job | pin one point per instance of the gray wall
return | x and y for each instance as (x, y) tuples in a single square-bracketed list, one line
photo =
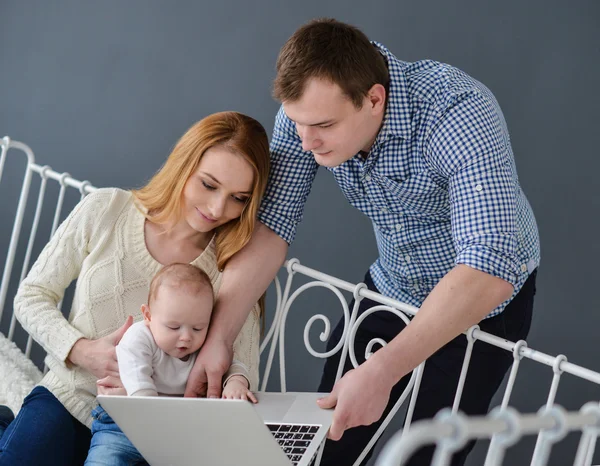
[(104, 89)]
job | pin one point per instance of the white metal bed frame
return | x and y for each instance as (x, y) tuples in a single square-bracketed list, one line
[(274, 341)]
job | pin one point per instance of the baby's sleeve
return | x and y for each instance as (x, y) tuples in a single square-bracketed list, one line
[(135, 353)]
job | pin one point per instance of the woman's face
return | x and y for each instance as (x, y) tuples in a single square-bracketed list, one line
[(218, 190)]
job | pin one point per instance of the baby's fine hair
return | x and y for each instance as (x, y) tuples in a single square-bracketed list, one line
[(180, 276)]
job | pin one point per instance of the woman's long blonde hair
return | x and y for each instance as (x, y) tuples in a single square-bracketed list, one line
[(242, 135)]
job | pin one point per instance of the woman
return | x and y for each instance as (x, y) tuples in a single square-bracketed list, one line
[(200, 208)]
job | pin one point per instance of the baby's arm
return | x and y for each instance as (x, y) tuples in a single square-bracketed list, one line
[(135, 353), (236, 388)]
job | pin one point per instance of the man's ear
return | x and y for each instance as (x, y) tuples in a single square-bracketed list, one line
[(377, 96), (146, 313)]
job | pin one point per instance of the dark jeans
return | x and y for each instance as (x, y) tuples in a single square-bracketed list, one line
[(44, 433), (487, 368)]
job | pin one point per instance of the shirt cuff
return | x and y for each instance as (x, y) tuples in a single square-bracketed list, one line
[(66, 339), (237, 368), (282, 226), (492, 262)]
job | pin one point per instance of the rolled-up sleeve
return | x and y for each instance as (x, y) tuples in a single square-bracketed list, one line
[(470, 148), (292, 173)]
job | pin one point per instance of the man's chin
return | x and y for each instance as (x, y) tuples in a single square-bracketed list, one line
[(328, 160)]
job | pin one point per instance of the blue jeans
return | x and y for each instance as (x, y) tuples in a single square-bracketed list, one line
[(6, 417), (110, 446), (44, 433)]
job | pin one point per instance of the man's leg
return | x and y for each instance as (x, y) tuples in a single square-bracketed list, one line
[(379, 325), (487, 369), (44, 433)]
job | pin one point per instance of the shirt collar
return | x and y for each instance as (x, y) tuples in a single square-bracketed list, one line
[(397, 120)]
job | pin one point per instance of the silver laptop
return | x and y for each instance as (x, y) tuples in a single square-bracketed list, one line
[(283, 429)]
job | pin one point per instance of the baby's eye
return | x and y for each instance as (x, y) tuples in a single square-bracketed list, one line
[(197, 329), (173, 328)]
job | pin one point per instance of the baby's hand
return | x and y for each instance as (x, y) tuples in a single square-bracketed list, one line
[(237, 389)]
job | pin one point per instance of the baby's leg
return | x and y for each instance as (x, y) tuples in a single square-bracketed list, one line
[(110, 446)]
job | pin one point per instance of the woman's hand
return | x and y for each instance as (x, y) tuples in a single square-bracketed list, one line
[(237, 389), (110, 385), (99, 356)]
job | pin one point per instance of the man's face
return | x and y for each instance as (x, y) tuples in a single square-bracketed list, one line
[(331, 126)]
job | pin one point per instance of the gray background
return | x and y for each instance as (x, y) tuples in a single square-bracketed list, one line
[(104, 89)]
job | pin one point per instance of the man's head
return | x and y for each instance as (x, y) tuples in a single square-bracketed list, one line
[(179, 308), (332, 83)]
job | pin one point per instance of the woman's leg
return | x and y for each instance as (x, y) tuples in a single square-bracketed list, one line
[(44, 433), (6, 417), (110, 446)]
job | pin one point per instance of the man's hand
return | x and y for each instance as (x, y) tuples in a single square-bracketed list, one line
[(99, 356), (359, 399), (207, 374)]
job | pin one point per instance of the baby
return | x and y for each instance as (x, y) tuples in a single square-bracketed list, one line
[(157, 354)]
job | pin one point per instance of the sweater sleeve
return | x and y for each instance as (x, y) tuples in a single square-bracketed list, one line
[(246, 349), (59, 263), (135, 352)]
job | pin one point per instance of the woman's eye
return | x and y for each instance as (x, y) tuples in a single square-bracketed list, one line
[(241, 200), (207, 186)]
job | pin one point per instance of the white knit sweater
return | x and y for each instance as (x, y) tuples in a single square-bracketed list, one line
[(102, 245)]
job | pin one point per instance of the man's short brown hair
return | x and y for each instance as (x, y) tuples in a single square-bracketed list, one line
[(185, 277), (328, 49)]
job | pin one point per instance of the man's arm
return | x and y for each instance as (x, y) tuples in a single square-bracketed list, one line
[(461, 299), (245, 278), (249, 272), (469, 149)]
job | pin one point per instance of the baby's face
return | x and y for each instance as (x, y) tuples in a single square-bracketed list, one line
[(179, 320)]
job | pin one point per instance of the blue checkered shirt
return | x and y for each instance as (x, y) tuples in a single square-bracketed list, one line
[(439, 184)]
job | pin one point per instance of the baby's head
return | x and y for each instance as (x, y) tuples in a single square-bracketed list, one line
[(179, 307)]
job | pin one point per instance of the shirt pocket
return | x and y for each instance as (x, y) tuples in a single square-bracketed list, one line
[(418, 195)]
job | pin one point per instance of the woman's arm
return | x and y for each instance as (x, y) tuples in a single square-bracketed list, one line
[(60, 262)]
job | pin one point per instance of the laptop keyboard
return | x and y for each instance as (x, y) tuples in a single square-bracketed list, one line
[(294, 439)]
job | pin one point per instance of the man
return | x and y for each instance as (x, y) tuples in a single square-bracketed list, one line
[(422, 149)]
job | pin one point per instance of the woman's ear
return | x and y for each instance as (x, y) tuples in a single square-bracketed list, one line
[(146, 313)]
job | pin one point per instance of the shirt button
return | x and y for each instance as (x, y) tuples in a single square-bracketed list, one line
[(523, 267), (478, 188), (384, 210), (367, 177), (398, 227), (407, 258)]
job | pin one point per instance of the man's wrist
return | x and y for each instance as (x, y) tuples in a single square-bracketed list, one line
[(382, 370)]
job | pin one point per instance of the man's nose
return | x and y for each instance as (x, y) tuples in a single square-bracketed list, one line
[(309, 138)]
